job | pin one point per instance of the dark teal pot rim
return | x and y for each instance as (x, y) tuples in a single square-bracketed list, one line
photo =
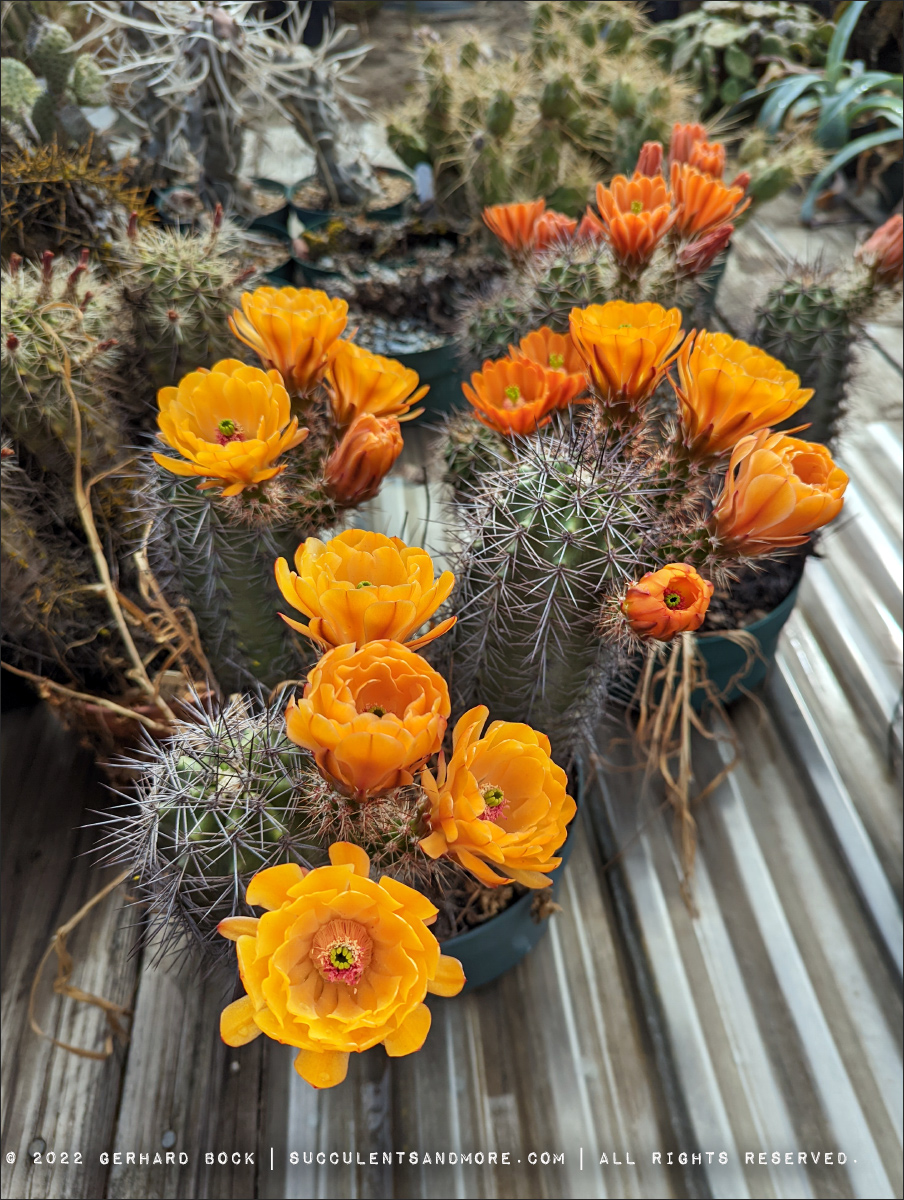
[(315, 217), (780, 613)]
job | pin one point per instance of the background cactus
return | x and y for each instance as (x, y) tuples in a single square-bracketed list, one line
[(179, 292), (549, 536), (227, 795), (811, 322)]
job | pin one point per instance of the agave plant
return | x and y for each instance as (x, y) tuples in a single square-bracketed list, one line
[(836, 102)]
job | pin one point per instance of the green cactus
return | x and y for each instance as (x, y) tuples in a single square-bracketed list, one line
[(179, 290), (48, 47), (468, 449), (228, 795), (549, 536), (218, 555), (20, 90), (55, 330), (811, 322), (88, 84)]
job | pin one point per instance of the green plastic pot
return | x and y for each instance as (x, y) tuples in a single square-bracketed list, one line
[(314, 218), (439, 368), (315, 276), (274, 222), (725, 659), (491, 949)]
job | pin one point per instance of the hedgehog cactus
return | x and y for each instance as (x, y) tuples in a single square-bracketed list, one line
[(56, 349), (227, 795), (548, 537), (179, 292), (812, 320)]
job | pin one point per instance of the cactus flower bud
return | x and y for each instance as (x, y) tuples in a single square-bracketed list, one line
[(15, 262), (883, 253), (12, 343), (132, 227), (80, 268), (742, 180), (354, 471), (698, 255), (683, 139), (666, 602), (649, 161)]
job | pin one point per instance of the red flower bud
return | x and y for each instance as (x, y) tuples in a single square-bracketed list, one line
[(12, 343), (883, 253), (15, 262), (355, 470), (649, 161), (682, 144), (742, 180), (698, 255), (132, 228)]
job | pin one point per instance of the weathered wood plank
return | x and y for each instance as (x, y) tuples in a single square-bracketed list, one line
[(52, 1098)]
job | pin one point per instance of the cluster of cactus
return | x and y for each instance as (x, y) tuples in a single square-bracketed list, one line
[(812, 322), (227, 795), (579, 101), (197, 76), (52, 111), (178, 292), (725, 47), (64, 200)]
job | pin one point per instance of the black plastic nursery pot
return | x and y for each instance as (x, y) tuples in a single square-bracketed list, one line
[(440, 369), (276, 221), (491, 949), (725, 660), (313, 218)]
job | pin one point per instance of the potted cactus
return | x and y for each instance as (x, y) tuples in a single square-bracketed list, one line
[(331, 813)]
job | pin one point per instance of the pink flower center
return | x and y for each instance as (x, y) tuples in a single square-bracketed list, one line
[(342, 951), (495, 801), (228, 431)]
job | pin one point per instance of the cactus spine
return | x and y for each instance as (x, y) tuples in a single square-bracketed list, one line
[(179, 291)]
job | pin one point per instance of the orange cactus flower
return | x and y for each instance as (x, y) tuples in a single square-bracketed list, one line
[(665, 602), (515, 224), (511, 395), (684, 138), (361, 382), (363, 587), (371, 717), (883, 253), (502, 807), (777, 491), (356, 468), (591, 228), (557, 354), (729, 389), (553, 228), (230, 424), (291, 329), (337, 964), (708, 157), (649, 161), (627, 348), (637, 214), (702, 202)]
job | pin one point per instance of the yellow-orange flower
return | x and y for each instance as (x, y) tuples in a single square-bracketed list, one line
[(371, 717), (501, 809), (511, 395), (669, 601), (637, 214), (777, 491), (683, 140), (558, 356), (883, 252), (626, 348), (337, 964), (356, 468), (291, 329), (364, 587), (515, 224), (730, 389), (230, 423), (551, 228), (702, 202), (708, 157), (362, 382)]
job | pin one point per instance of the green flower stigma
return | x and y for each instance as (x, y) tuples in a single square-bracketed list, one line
[(672, 599), (493, 796), (556, 361), (636, 207), (226, 427), (512, 393), (363, 583), (342, 957), (378, 711)]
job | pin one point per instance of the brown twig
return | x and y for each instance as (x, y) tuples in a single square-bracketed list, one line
[(102, 702)]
